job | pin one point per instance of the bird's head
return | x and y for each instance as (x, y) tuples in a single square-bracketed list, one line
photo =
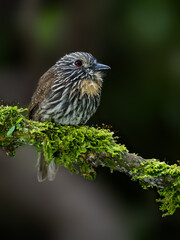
[(80, 65)]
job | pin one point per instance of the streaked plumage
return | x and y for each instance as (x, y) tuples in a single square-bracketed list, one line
[(68, 93)]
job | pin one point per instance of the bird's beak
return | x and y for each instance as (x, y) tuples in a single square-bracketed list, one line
[(99, 66)]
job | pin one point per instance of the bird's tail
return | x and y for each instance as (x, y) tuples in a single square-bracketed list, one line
[(45, 170)]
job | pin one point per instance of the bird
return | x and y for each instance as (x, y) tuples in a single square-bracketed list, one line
[(69, 94)]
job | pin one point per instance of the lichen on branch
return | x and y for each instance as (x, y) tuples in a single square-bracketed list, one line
[(81, 149)]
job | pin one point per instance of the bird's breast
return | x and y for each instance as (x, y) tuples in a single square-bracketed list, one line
[(90, 87)]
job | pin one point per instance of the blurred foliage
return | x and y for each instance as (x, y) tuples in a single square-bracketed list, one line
[(140, 40), (47, 23)]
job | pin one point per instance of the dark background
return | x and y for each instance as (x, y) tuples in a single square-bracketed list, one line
[(140, 40)]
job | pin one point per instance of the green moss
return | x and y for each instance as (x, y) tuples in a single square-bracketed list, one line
[(170, 195), (69, 146), (170, 200), (66, 144), (10, 120)]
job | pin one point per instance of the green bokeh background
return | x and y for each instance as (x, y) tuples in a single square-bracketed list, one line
[(140, 40)]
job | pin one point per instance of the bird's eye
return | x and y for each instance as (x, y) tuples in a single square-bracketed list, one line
[(78, 63)]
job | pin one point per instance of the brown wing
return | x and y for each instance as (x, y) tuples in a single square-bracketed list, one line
[(43, 88)]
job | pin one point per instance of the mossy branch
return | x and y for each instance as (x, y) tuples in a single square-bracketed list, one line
[(82, 149)]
